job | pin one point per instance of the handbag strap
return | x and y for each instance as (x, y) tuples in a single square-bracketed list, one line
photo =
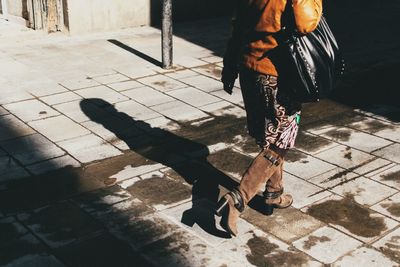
[(288, 25)]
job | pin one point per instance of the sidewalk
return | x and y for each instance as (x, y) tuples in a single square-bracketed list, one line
[(108, 160)]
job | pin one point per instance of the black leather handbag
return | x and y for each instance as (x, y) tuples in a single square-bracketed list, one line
[(308, 65)]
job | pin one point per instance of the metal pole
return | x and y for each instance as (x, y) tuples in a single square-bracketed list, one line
[(167, 44)]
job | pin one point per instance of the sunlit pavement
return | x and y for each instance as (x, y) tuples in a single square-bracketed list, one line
[(108, 160)]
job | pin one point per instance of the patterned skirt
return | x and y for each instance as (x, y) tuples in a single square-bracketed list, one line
[(272, 115)]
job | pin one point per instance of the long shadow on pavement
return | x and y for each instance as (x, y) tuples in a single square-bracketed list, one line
[(162, 147)]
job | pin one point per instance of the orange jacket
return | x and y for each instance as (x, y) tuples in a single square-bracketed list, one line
[(263, 18)]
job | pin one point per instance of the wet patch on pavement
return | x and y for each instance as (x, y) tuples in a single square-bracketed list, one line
[(346, 213), (348, 154), (297, 224), (311, 143), (393, 176), (264, 253), (339, 135), (314, 240), (222, 129), (391, 248), (295, 156), (394, 208), (230, 161), (212, 69), (376, 126), (160, 191), (61, 184)]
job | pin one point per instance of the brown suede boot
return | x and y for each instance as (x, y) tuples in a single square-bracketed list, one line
[(232, 204), (273, 193)]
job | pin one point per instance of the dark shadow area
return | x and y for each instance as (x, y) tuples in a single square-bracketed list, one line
[(190, 24), (371, 46), (163, 147), (25, 12), (366, 31), (49, 205), (136, 52)]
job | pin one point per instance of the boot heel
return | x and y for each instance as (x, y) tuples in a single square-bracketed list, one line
[(221, 205)]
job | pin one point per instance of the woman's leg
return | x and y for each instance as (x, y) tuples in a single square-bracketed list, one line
[(263, 166)]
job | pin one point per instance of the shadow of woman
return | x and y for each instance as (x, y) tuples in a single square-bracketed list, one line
[(160, 145)]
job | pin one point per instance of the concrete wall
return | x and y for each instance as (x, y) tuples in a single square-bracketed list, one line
[(15, 7), (16, 11), (82, 16), (102, 15)]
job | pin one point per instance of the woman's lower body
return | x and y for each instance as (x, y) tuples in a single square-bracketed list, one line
[(272, 119)]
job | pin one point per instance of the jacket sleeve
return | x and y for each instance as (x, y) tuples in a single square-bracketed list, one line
[(232, 52), (307, 14)]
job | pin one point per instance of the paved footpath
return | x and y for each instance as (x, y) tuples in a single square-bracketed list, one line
[(108, 160)]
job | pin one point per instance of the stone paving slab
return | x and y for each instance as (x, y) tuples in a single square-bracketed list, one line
[(125, 85), (111, 78), (68, 130), (102, 92), (333, 178), (53, 164), (389, 245), (79, 84), (389, 207), (11, 229), (261, 249), (180, 74), (73, 110), (327, 244), (179, 111), (162, 83), (193, 96), (198, 218), (389, 177), (101, 250), (234, 98), (308, 194), (32, 149), (296, 162), (60, 224), (135, 110), (390, 153), (353, 219), (372, 166), (148, 96), (358, 140), (365, 257), (89, 148), (203, 83), (288, 225), (10, 170), (45, 87), (365, 191), (12, 127), (11, 95), (312, 144), (3, 111), (32, 254), (60, 98), (345, 157), (390, 133)]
